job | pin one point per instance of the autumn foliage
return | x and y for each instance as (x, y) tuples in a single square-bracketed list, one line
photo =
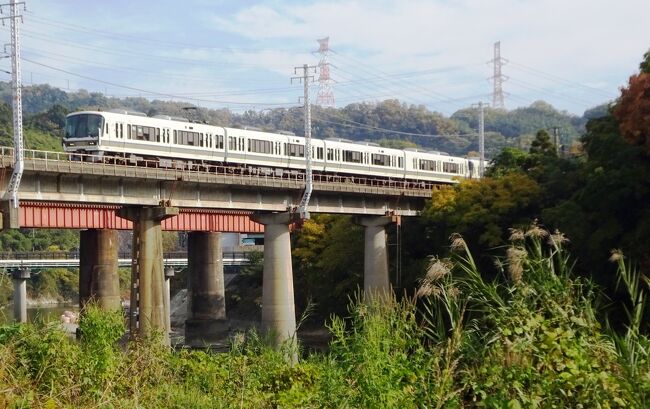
[(633, 111)]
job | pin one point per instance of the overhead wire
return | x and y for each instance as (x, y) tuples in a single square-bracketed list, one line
[(114, 35), (555, 78), (164, 94)]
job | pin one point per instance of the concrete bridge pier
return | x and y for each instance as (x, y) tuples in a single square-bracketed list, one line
[(99, 280), (20, 277), (206, 321), (148, 308), (278, 306), (375, 256)]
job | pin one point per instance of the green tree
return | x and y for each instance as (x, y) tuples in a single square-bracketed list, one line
[(328, 261), (542, 144), (483, 210)]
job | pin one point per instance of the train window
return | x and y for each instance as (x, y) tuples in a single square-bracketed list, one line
[(117, 130), (231, 143), (157, 134), (201, 140), (430, 165), (295, 149), (352, 156), (128, 131), (259, 146), (241, 144), (121, 130), (330, 154), (107, 129), (450, 167), (175, 136), (220, 141), (380, 160), (319, 153), (400, 162)]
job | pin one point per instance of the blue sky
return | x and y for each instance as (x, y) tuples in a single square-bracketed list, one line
[(240, 54)]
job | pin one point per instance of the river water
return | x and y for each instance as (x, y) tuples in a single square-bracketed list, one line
[(40, 313)]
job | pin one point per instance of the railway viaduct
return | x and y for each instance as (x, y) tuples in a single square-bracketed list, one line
[(101, 198)]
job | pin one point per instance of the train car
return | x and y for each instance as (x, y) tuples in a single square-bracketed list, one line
[(173, 141), (363, 158), (135, 136)]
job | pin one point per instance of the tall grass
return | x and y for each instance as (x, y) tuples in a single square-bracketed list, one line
[(527, 339)]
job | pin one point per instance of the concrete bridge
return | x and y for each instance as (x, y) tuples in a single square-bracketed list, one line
[(59, 192)]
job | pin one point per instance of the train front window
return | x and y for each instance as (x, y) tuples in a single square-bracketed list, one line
[(84, 126)]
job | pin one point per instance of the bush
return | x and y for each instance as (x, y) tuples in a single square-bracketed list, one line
[(528, 339)]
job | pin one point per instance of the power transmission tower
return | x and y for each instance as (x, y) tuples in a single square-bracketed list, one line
[(325, 95), (304, 202), (17, 105), (497, 77)]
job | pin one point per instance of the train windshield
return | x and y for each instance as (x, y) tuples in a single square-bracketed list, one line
[(83, 126)]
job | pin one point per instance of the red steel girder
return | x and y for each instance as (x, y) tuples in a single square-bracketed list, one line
[(59, 215)]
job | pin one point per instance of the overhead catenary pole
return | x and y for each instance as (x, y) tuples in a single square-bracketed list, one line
[(556, 139), (481, 136), (304, 202), (16, 176), (481, 139)]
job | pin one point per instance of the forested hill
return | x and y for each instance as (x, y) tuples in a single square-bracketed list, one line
[(45, 108)]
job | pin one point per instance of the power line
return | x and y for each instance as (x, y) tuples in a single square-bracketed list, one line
[(120, 36), (359, 125), (149, 91), (558, 79), (555, 94)]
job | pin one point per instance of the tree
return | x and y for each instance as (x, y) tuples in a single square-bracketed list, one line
[(483, 210), (644, 67), (542, 144), (633, 110), (327, 263)]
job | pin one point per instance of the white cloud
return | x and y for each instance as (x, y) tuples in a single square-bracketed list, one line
[(582, 40)]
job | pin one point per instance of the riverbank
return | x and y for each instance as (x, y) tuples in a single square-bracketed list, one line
[(532, 341)]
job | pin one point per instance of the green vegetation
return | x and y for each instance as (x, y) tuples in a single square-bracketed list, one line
[(529, 339), (59, 284)]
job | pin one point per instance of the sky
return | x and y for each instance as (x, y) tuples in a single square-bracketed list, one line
[(241, 55)]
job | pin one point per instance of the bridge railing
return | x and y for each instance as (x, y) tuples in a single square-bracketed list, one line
[(177, 170), (74, 255)]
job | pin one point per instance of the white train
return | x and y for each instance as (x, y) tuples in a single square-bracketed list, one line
[(177, 142)]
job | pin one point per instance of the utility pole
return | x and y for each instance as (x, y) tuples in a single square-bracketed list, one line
[(481, 136), (556, 139), (17, 174), (304, 202)]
